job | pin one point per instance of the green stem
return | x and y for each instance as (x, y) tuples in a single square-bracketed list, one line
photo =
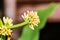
[(19, 25)]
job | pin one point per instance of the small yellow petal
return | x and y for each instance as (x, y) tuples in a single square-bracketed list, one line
[(7, 21)]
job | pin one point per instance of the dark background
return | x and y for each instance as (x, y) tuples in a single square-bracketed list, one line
[(50, 32), (1, 8)]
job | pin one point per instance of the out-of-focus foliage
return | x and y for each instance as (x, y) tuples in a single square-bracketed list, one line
[(29, 34)]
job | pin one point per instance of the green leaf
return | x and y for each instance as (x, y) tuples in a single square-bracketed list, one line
[(46, 12), (43, 14), (1, 23), (29, 34)]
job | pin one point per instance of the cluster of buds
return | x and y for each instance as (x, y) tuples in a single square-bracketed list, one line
[(4, 30), (32, 17), (7, 21)]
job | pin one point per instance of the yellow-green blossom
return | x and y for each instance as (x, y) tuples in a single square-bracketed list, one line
[(7, 21), (32, 17), (5, 31)]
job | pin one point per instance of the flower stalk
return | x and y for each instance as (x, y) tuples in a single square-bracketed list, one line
[(19, 25)]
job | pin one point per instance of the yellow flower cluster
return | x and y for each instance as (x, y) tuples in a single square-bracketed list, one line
[(5, 31), (32, 17), (7, 21)]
